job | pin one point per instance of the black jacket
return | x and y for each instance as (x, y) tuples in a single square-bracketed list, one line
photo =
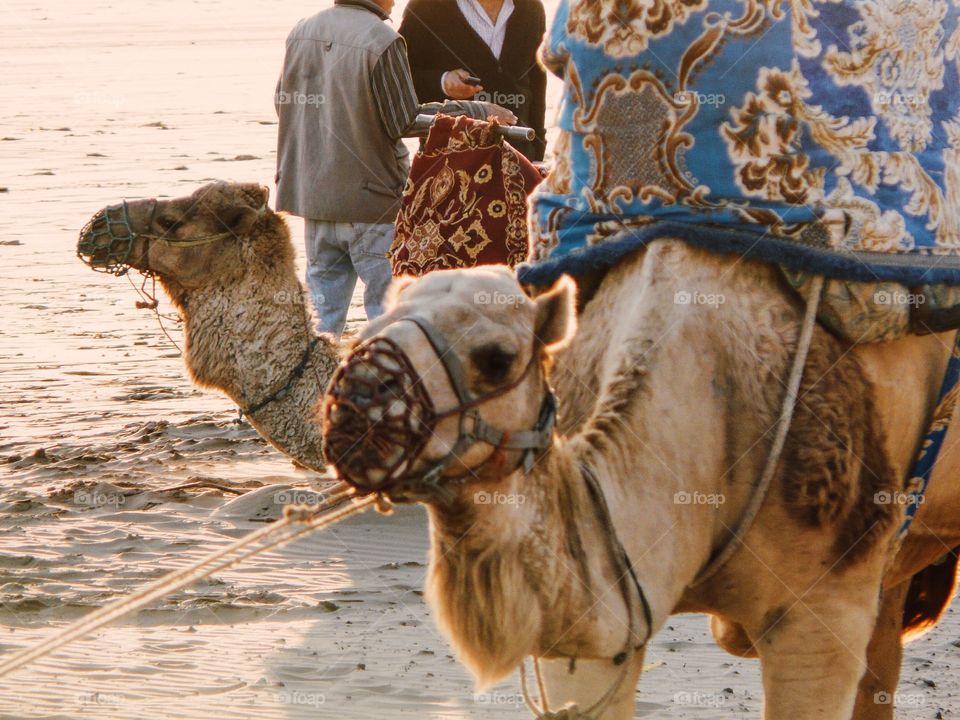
[(439, 39)]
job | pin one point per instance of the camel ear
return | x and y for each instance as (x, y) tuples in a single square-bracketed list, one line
[(254, 194), (233, 194), (556, 321), (223, 195), (240, 204)]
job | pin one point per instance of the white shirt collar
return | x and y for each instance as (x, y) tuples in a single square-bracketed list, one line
[(492, 33), (505, 11)]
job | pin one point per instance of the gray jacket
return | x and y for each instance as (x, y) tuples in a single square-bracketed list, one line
[(335, 162)]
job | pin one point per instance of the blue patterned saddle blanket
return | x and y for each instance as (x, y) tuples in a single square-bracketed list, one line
[(822, 135)]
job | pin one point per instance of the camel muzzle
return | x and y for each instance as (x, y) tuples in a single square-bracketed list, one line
[(378, 418), (106, 240)]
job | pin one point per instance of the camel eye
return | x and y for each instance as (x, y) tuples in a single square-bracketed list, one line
[(493, 362), (167, 224)]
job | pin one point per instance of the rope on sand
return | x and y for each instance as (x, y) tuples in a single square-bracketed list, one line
[(298, 521)]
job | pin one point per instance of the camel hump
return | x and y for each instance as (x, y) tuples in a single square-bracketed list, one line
[(930, 593)]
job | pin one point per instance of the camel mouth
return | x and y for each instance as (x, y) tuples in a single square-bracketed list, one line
[(106, 241), (377, 419)]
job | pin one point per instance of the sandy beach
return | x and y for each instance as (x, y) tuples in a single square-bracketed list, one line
[(103, 100)]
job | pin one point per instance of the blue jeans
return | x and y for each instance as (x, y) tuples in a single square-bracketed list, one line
[(336, 254)]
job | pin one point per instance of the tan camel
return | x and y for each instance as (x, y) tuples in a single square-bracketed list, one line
[(681, 399), (921, 580), (227, 263), (255, 272)]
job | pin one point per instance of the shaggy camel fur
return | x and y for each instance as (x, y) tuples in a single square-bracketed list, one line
[(246, 319), (681, 408)]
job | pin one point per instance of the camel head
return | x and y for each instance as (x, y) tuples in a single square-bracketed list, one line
[(208, 238), (449, 386), (227, 263)]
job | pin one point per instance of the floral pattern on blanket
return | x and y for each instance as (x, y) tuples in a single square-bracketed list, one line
[(465, 202), (831, 122)]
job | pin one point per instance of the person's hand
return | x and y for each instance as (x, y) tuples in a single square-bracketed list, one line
[(500, 114), (454, 86)]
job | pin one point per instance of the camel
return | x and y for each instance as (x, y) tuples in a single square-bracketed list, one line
[(254, 271), (675, 410), (226, 261)]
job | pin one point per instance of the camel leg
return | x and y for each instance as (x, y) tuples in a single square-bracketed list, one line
[(813, 655), (589, 680), (879, 683)]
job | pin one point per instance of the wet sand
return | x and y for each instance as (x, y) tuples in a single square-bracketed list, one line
[(106, 100)]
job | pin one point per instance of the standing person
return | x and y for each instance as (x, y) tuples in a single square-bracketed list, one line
[(494, 41), (344, 99)]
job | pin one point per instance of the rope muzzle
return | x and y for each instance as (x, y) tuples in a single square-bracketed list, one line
[(107, 239), (379, 418)]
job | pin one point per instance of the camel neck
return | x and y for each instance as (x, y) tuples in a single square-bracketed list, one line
[(253, 341), (289, 422), (533, 546), (293, 377)]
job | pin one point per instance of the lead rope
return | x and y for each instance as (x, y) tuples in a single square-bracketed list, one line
[(150, 302), (297, 522), (720, 558)]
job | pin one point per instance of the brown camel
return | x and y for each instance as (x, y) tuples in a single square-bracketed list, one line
[(226, 262)]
